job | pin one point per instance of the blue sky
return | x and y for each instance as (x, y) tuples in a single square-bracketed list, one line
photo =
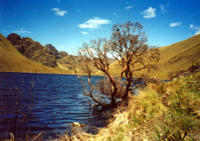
[(68, 23)]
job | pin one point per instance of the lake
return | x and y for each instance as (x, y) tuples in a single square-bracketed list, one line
[(47, 103)]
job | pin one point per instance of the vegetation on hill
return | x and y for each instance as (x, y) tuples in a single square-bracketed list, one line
[(168, 111), (11, 60)]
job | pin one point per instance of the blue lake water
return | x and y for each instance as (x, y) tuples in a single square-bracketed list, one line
[(47, 103)]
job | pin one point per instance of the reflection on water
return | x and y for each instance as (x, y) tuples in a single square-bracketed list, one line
[(34, 103)]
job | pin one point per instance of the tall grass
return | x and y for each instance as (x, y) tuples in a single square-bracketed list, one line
[(162, 112)]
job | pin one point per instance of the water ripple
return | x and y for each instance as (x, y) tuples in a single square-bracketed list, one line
[(50, 106)]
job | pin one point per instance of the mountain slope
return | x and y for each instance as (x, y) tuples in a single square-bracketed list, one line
[(178, 56), (46, 55), (175, 57), (11, 60)]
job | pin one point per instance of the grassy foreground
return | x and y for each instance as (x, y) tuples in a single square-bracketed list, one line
[(162, 112)]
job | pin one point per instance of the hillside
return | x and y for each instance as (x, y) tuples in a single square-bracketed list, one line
[(46, 55), (179, 56), (175, 57), (66, 61), (13, 61)]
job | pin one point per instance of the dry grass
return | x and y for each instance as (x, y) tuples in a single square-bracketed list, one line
[(165, 112)]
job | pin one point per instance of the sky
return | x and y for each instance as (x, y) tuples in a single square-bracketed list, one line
[(67, 24)]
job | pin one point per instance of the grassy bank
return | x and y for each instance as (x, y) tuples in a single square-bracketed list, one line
[(165, 112)]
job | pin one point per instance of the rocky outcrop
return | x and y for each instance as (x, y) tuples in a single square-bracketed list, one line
[(15, 39), (55, 52), (34, 50)]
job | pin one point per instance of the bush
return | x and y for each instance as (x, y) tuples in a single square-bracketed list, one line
[(182, 117)]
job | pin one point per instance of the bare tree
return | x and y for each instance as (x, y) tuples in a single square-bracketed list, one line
[(132, 55)]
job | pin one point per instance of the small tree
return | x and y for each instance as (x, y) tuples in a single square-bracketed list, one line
[(131, 54)]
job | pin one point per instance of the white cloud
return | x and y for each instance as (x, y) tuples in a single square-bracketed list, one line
[(149, 13), (128, 7), (94, 23), (84, 33), (59, 12), (174, 24), (21, 31), (197, 28)]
